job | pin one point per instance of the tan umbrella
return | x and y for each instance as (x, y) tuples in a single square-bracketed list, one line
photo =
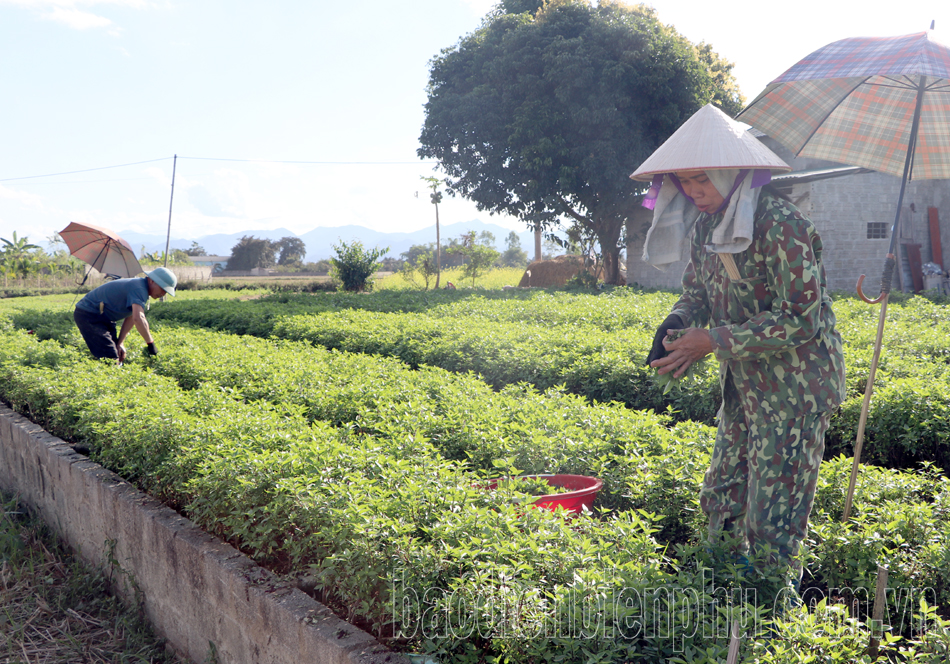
[(102, 249)]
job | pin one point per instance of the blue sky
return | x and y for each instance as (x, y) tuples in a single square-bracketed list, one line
[(88, 84)]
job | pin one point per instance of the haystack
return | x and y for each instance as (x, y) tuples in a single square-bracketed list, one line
[(552, 272)]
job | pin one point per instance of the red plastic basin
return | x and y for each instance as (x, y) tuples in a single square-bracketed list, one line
[(581, 491)]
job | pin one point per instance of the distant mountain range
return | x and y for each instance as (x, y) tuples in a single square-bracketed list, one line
[(320, 241)]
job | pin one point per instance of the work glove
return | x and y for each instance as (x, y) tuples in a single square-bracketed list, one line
[(151, 349), (672, 322)]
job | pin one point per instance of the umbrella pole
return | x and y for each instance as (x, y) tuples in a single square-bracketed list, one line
[(92, 266), (885, 292)]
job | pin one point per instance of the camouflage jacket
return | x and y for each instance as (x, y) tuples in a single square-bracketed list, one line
[(774, 329)]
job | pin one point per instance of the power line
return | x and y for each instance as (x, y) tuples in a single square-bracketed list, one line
[(85, 170), (260, 161), (88, 181), (331, 163)]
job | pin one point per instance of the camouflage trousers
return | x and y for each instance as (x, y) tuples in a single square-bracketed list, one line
[(760, 486)]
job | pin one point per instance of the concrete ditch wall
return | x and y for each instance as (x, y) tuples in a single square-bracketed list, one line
[(196, 590)]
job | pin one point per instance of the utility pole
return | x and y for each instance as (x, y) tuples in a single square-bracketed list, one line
[(168, 236)]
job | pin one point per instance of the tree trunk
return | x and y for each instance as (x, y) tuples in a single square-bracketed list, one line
[(611, 267), (608, 234)]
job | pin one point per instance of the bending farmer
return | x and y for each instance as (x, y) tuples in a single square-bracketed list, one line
[(754, 295), (126, 300)]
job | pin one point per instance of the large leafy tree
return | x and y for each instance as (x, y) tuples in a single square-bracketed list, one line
[(196, 250), (514, 255), (292, 251), (545, 111), (251, 252)]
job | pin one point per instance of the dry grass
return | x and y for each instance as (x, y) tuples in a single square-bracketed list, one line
[(494, 279), (53, 609)]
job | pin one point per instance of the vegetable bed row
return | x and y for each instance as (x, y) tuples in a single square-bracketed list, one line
[(594, 346), (363, 471)]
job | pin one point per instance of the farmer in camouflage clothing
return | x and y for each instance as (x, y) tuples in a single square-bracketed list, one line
[(754, 295)]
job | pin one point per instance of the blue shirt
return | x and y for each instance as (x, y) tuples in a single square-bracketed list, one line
[(116, 297)]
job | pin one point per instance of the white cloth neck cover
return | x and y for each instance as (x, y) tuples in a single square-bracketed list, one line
[(674, 216)]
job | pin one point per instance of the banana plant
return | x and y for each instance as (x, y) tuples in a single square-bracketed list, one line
[(17, 254)]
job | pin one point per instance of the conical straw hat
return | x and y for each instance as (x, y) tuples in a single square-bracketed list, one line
[(710, 139)]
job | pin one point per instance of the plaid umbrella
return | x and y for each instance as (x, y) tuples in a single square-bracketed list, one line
[(102, 249), (867, 101), (881, 103)]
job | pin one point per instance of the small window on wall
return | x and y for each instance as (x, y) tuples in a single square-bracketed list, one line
[(877, 230)]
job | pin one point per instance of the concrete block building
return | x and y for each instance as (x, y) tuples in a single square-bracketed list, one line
[(854, 210)]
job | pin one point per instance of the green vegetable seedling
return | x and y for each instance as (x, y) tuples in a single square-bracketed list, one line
[(667, 380)]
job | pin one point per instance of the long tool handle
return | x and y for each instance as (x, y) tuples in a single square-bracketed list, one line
[(865, 406), (885, 291)]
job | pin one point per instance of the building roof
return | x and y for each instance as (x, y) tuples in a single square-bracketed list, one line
[(803, 177), (206, 259)]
